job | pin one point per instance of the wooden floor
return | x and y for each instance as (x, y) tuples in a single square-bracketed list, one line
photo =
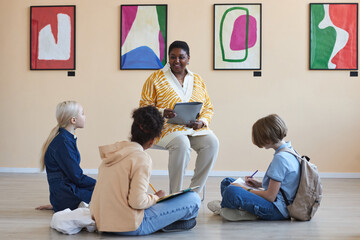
[(337, 218)]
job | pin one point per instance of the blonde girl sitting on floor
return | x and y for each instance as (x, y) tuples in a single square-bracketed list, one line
[(60, 157)]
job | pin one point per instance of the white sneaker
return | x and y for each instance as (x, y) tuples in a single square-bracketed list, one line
[(237, 215), (83, 205), (214, 206)]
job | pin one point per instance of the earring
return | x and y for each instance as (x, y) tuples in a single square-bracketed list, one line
[(188, 63)]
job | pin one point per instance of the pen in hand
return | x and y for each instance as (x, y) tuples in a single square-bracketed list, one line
[(252, 182), (253, 173), (152, 187), (159, 193)]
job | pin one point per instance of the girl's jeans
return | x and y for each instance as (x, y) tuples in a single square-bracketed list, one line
[(160, 215)]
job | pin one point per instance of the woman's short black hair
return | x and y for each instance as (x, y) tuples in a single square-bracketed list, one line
[(148, 124), (180, 44)]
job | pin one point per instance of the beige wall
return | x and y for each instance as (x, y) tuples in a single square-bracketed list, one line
[(321, 108)]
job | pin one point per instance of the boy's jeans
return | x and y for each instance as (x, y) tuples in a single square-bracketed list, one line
[(236, 197)]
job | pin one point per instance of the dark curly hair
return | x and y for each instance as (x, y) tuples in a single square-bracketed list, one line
[(180, 44), (148, 124)]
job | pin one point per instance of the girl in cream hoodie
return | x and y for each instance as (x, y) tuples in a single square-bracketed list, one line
[(120, 202)]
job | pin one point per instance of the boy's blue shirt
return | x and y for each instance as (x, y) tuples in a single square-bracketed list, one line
[(284, 168)]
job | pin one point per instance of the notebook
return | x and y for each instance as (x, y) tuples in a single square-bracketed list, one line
[(241, 182), (167, 197)]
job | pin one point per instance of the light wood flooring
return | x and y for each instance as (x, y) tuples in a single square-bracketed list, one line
[(337, 218)]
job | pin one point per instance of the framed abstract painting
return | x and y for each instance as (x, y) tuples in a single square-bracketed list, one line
[(143, 36), (333, 36), (237, 36), (52, 37)]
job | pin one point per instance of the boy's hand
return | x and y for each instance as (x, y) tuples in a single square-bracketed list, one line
[(252, 182)]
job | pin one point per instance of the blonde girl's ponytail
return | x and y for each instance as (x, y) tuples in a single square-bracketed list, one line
[(46, 144), (64, 112)]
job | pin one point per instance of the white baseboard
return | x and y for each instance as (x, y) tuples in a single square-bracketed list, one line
[(189, 173), (19, 170)]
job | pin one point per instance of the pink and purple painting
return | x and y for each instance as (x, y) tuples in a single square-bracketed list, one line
[(237, 36), (143, 36)]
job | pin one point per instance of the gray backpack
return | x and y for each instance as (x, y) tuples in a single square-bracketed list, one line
[(309, 193)]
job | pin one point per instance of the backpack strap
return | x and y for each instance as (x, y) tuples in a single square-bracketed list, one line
[(295, 153), (285, 198), (291, 151), (298, 157)]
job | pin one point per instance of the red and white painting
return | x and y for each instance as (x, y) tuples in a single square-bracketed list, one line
[(52, 37)]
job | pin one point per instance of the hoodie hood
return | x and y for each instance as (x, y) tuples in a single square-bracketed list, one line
[(114, 153)]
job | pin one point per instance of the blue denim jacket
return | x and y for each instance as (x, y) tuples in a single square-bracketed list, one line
[(68, 185)]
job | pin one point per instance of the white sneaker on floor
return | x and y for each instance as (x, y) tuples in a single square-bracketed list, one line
[(237, 215), (214, 206)]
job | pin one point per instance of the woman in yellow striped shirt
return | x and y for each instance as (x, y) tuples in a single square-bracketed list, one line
[(163, 89)]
